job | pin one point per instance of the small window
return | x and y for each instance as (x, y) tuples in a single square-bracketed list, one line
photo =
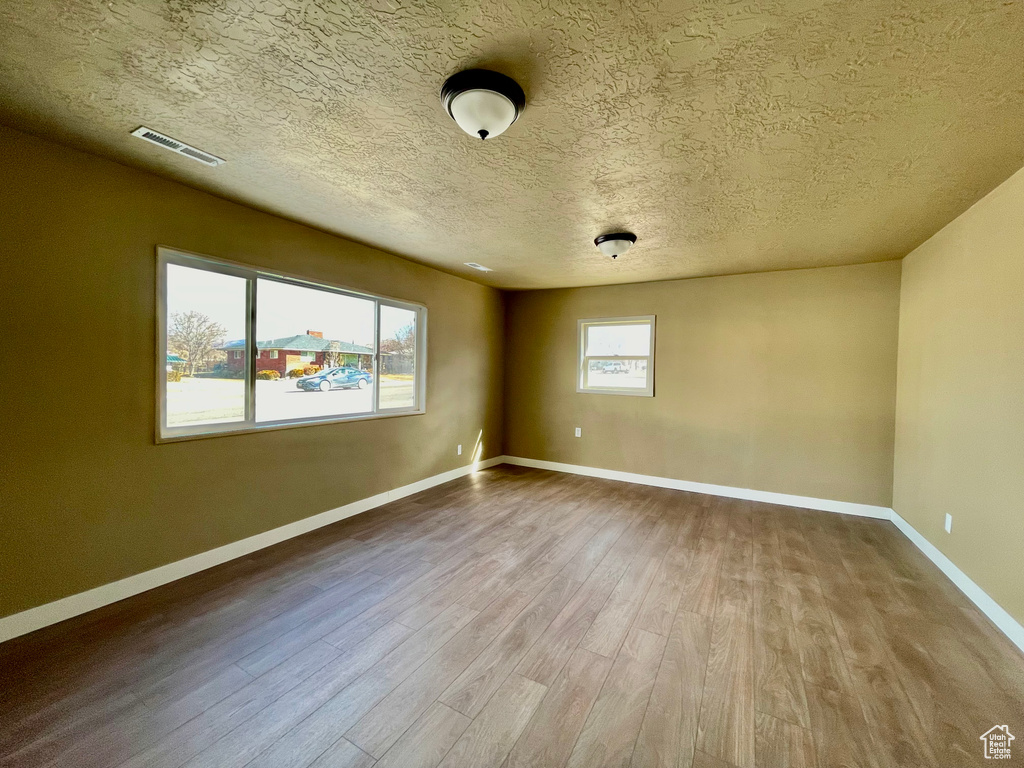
[(273, 354), (238, 354), (616, 356)]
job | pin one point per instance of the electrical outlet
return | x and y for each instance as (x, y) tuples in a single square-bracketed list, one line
[(949, 523), (579, 432), (460, 449)]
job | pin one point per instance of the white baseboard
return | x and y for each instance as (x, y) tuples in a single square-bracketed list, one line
[(1003, 620), (74, 605), (770, 497), (1008, 625), (68, 607)]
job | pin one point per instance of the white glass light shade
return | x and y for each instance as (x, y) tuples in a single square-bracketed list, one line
[(614, 248), (484, 111)]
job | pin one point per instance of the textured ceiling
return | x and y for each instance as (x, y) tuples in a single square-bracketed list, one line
[(730, 136)]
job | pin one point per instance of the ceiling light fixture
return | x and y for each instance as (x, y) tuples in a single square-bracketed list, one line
[(615, 244), (479, 267), (482, 102)]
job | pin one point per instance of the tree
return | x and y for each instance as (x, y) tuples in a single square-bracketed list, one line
[(195, 337), (403, 342), (333, 356), (400, 350)]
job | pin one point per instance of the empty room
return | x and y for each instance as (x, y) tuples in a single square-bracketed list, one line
[(537, 384)]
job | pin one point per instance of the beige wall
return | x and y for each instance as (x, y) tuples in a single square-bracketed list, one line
[(960, 404), (781, 381), (87, 497)]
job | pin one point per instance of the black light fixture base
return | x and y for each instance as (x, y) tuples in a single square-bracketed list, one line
[(482, 80), (615, 236)]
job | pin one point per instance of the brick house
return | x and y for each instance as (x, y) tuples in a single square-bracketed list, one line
[(309, 348)]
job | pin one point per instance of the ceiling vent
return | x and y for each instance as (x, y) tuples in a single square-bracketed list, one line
[(480, 267), (154, 137)]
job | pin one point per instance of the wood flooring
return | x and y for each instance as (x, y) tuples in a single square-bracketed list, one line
[(526, 619)]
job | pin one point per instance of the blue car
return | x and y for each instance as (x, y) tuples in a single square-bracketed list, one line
[(335, 378)]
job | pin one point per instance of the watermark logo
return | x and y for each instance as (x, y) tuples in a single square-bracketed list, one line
[(997, 742)]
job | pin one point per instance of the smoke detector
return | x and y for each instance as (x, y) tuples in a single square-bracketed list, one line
[(180, 147)]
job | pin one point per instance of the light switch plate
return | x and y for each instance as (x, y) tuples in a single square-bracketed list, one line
[(949, 523)]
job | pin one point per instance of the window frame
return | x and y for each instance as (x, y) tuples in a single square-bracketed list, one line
[(582, 368), (165, 434)]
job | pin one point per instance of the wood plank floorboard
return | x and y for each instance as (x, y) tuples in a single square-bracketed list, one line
[(551, 735), (669, 728), (610, 733), (429, 739), (519, 618)]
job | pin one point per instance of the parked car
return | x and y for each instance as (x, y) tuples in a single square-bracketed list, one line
[(616, 367), (335, 378)]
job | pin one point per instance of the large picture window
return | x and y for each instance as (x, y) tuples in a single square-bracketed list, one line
[(243, 349), (616, 356)]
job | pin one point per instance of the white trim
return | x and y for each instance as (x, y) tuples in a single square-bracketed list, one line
[(770, 497), (1008, 625), (68, 607)]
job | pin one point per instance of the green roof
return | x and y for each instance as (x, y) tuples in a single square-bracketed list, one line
[(303, 342), (175, 359)]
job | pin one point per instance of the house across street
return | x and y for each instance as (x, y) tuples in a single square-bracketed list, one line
[(290, 352)]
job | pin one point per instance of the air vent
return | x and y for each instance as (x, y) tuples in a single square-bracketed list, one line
[(174, 145), (480, 267)]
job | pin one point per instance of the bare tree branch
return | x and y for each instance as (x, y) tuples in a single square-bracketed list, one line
[(195, 337), (403, 342)]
